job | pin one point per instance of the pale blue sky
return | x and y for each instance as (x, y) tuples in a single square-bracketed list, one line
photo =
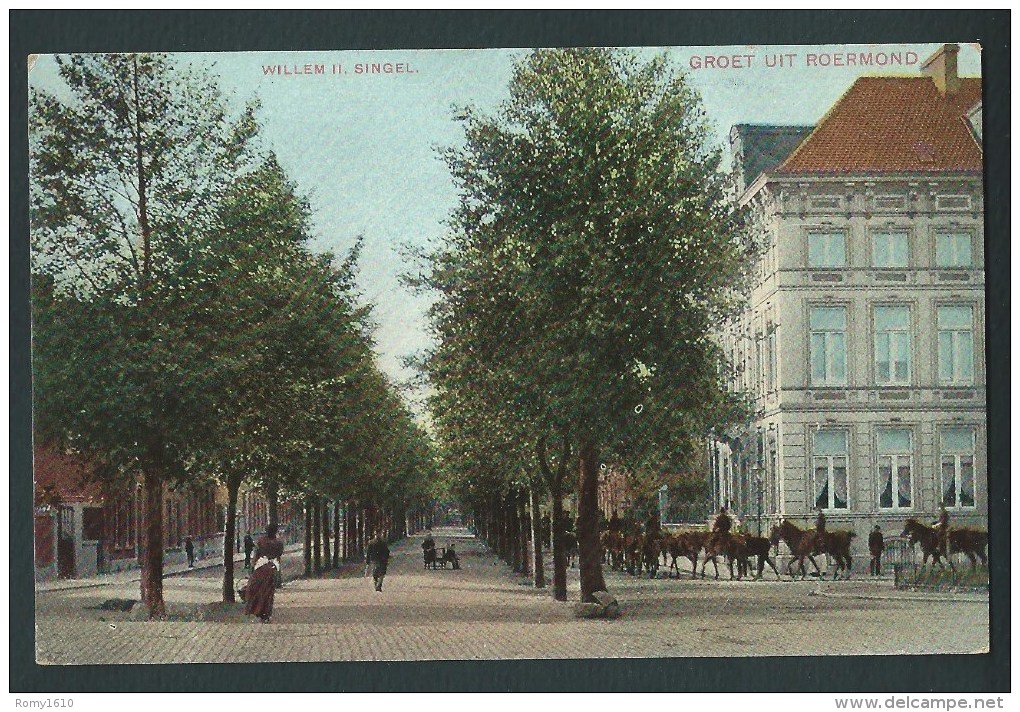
[(362, 147)]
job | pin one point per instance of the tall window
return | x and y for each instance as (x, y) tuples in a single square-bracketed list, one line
[(826, 250), (829, 457), (953, 249), (894, 469), (956, 344), (892, 345), (956, 446), (772, 360), (828, 346), (890, 249)]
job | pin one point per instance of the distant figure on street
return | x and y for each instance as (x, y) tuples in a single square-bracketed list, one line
[(876, 544), (249, 546), (943, 530), (379, 554), (261, 590), (189, 549)]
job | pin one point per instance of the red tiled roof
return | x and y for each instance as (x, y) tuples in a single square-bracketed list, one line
[(892, 124), (69, 476)]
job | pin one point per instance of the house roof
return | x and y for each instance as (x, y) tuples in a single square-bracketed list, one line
[(893, 124), (763, 147)]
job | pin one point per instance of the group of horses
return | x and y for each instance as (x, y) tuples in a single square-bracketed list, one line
[(642, 553)]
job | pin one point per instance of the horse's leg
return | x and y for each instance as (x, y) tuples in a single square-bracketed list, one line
[(973, 560)]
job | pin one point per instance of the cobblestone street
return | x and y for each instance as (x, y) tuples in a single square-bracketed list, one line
[(484, 611)]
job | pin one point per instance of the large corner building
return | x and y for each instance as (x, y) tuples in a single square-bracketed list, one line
[(863, 342)]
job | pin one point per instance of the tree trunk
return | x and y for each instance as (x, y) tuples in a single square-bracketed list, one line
[(536, 538), (513, 533), (233, 485), (308, 536), (273, 502), (588, 523), (336, 534), (317, 535), (360, 546), (523, 529), (348, 532), (556, 523), (327, 555), (152, 561)]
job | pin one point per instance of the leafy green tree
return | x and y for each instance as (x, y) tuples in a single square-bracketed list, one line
[(127, 170), (593, 251)]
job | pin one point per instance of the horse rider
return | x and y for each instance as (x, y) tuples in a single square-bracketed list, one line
[(820, 530), (942, 526), (721, 526)]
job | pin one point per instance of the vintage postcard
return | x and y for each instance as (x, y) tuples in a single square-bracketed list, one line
[(655, 352)]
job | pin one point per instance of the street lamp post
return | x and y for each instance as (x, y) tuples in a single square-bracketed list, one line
[(758, 485)]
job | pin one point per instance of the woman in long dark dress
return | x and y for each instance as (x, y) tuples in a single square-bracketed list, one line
[(262, 585)]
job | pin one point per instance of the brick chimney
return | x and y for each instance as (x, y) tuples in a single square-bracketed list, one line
[(941, 67)]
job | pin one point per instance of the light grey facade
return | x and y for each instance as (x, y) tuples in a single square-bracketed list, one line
[(863, 350)]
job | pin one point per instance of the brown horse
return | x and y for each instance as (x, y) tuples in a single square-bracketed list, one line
[(612, 544), (732, 546), (761, 547), (970, 542), (650, 546), (686, 544), (800, 542), (804, 543), (632, 544)]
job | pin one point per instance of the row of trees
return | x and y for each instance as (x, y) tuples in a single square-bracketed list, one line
[(183, 329), (594, 249)]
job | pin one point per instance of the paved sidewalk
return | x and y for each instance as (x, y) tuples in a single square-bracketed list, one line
[(134, 575), (484, 611)]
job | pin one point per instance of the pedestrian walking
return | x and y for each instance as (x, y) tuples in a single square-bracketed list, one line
[(189, 549), (379, 554), (249, 546), (261, 592), (876, 545)]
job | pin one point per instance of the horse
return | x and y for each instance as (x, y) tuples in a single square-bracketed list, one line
[(761, 547), (632, 545), (686, 544), (729, 545), (650, 546), (837, 544), (971, 542), (612, 548), (570, 547), (803, 544), (800, 542)]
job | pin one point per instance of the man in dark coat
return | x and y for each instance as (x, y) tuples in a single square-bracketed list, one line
[(189, 549), (876, 544), (379, 554), (249, 546)]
